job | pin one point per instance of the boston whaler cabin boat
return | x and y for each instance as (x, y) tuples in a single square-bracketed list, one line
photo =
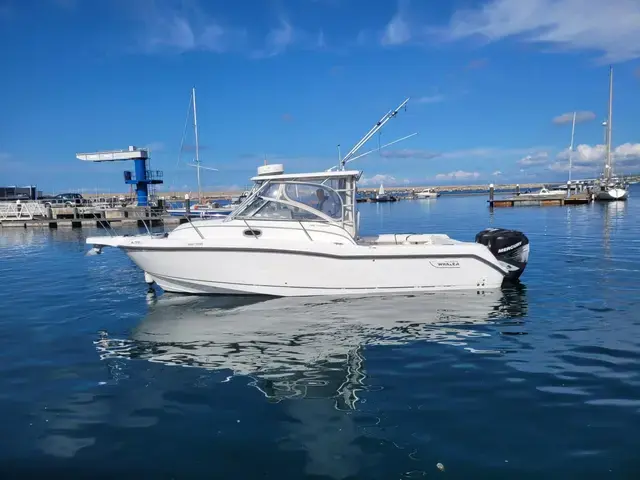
[(297, 234)]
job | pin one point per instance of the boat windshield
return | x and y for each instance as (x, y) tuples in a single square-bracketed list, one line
[(294, 201)]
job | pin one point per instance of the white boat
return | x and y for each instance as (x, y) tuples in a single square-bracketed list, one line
[(545, 192), (428, 193), (612, 192), (297, 234), (610, 187)]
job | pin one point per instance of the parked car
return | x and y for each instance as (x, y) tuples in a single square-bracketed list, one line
[(64, 199)]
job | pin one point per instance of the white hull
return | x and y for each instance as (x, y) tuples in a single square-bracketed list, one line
[(249, 271), (612, 194), (318, 260), (427, 195)]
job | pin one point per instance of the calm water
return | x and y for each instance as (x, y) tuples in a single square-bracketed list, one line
[(97, 379)]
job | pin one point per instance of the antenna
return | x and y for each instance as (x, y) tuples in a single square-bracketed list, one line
[(381, 147)]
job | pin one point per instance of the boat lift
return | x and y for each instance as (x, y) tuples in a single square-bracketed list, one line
[(141, 177)]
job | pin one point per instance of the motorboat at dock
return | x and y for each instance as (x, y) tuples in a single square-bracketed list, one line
[(427, 193), (297, 234)]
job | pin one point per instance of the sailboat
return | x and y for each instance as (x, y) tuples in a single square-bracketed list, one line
[(610, 187), (384, 197), (200, 209)]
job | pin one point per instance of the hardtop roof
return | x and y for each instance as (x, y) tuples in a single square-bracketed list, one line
[(314, 175)]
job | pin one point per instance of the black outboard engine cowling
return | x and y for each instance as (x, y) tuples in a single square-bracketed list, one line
[(508, 246)]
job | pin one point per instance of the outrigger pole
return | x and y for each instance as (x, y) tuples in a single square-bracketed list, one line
[(388, 116)]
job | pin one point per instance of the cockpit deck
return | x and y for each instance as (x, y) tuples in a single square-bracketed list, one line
[(407, 239)]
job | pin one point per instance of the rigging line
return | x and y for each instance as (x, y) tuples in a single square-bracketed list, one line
[(184, 130)]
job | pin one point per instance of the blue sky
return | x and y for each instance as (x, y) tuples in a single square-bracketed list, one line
[(489, 81)]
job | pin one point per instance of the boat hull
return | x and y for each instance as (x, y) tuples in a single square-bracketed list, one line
[(238, 271), (612, 194)]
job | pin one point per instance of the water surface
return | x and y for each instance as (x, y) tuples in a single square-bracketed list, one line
[(98, 379)]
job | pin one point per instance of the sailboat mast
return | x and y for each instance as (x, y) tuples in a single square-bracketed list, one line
[(608, 167), (195, 128), (573, 131)]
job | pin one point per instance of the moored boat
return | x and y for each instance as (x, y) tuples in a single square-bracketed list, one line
[(297, 234)]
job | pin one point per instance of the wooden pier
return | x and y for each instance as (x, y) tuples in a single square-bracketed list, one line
[(33, 215), (91, 223), (579, 199)]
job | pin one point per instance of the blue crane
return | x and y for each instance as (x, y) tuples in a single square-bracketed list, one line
[(141, 177)]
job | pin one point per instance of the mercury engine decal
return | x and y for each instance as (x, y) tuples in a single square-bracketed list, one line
[(510, 247)]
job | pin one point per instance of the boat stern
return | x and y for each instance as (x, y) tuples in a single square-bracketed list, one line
[(509, 247)]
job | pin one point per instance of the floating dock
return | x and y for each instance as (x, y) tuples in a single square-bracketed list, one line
[(581, 196), (32, 215), (542, 201)]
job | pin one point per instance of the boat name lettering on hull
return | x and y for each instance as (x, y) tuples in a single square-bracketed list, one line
[(445, 263)]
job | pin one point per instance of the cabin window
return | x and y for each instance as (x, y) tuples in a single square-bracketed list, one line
[(317, 197), (294, 201)]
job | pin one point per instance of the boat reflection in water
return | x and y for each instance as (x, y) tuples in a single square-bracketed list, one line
[(299, 347), (309, 354)]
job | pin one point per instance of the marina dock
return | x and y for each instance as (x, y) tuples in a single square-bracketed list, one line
[(580, 196), (32, 214), (527, 201)]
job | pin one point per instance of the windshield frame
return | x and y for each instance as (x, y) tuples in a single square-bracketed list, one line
[(258, 193)]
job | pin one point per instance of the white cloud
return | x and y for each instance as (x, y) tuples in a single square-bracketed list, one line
[(458, 175), (278, 40), (471, 153), (409, 153), (285, 36), (497, 173), (539, 158), (185, 29), (189, 27), (397, 30), (583, 116), (591, 158), (595, 154), (380, 179), (610, 28), (431, 99), (489, 152)]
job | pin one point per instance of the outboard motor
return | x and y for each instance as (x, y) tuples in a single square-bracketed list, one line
[(508, 246)]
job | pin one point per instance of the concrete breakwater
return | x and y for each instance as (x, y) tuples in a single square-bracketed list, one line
[(227, 194)]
